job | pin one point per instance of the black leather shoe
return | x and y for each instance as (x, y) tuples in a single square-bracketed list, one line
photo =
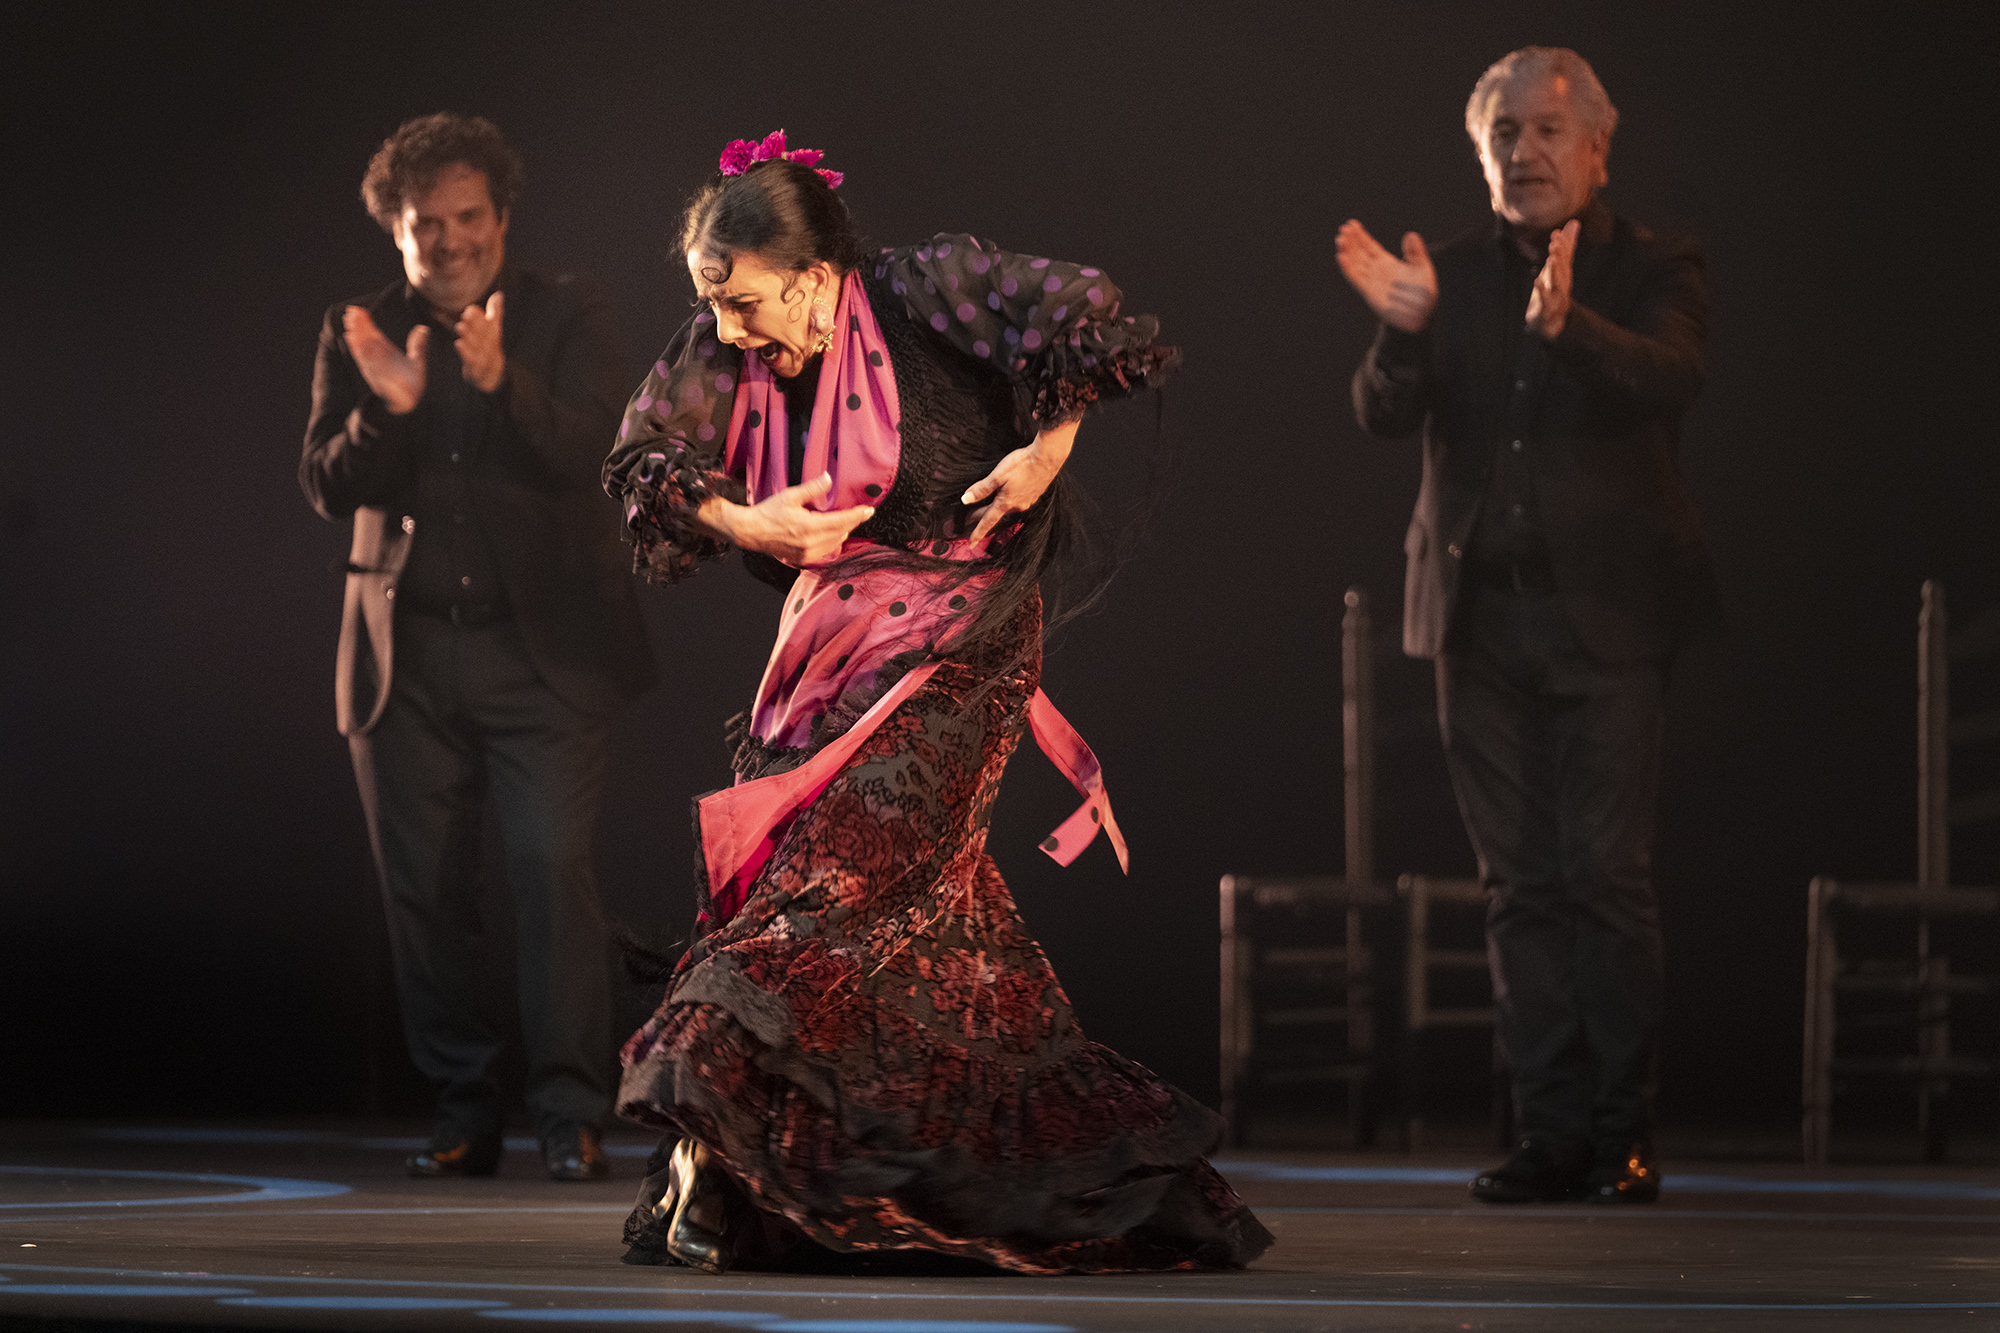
[(699, 1235), (575, 1152), (1536, 1173), (466, 1157), (1624, 1175)]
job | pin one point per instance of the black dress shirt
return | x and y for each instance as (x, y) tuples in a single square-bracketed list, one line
[(1582, 431), (537, 536), (1509, 531), (451, 560)]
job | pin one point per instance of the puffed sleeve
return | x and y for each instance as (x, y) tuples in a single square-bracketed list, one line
[(1054, 328), (668, 458)]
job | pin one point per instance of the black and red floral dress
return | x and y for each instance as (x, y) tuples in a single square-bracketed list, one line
[(871, 1042)]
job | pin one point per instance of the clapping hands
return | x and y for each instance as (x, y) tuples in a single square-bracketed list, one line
[(1401, 292), (1548, 303), (398, 376), (478, 345)]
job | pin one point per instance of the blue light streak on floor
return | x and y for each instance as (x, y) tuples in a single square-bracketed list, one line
[(362, 1303), (906, 1326), (121, 1289), (256, 1189), (1042, 1296), (631, 1315), (1672, 1182), (1896, 1189)]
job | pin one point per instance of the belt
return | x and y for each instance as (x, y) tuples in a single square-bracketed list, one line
[(1530, 574), (467, 615)]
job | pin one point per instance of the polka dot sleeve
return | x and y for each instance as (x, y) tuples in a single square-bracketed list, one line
[(668, 456), (1054, 328)]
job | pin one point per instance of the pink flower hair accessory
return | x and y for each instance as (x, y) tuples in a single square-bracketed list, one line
[(742, 154)]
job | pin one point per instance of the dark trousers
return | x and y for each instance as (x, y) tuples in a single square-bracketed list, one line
[(470, 723), (1555, 759)]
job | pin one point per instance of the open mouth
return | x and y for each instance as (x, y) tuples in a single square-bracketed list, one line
[(770, 352)]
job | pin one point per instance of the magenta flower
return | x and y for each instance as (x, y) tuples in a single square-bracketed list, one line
[(742, 154)]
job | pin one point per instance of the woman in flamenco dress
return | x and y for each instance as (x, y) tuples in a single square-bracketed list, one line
[(864, 1051)]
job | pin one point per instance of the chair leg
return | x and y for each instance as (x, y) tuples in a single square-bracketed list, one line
[(1504, 1128), (1410, 1112), (1822, 965), (1934, 1117), (1934, 1050)]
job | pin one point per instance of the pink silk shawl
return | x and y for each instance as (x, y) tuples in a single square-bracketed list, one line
[(835, 634)]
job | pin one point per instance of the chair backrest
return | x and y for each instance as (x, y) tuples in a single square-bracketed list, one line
[(1939, 651), (1357, 737)]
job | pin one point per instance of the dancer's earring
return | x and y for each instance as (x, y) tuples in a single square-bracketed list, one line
[(822, 326)]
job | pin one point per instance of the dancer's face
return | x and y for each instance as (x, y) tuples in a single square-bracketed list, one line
[(1542, 158), (763, 311), (452, 238)]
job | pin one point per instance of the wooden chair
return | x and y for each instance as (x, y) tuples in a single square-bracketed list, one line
[(1299, 995), (1920, 984), (1425, 897), (1299, 978)]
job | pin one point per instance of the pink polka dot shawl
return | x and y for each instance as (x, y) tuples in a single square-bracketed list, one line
[(855, 638), (1052, 331)]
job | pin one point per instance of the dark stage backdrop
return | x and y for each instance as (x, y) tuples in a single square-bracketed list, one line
[(182, 873)]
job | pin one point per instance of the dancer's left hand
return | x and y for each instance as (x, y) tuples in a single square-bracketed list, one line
[(1018, 481), (479, 349), (1548, 304)]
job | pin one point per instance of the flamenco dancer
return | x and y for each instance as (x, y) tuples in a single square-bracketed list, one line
[(865, 1050)]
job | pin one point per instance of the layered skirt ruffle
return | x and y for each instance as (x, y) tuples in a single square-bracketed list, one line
[(882, 1057)]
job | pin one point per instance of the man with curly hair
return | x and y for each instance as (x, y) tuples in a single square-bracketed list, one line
[(490, 632)]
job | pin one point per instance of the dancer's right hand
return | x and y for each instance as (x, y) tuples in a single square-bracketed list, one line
[(782, 527), (1401, 292), (396, 377)]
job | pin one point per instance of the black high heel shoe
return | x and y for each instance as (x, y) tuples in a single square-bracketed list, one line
[(699, 1234)]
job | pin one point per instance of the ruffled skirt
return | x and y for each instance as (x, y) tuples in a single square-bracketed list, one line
[(883, 1060)]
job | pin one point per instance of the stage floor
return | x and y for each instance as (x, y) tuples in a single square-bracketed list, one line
[(313, 1226)]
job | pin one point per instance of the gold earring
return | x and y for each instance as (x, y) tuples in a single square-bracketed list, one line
[(822, 323)]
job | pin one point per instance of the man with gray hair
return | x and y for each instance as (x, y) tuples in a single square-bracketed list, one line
[(1555, 565)]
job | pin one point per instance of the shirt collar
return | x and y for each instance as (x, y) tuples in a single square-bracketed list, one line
[(421, 308), (1597, 222)]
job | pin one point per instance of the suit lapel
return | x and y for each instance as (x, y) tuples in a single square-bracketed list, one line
[(1596, 245)]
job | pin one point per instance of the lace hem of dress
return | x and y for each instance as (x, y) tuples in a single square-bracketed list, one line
[(855, 1177), (1067, 380)]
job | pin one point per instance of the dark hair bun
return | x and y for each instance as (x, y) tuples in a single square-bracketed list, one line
[(782, 212)]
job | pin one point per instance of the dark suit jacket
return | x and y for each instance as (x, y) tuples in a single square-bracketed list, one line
[(1631, 564), (561, 560)]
